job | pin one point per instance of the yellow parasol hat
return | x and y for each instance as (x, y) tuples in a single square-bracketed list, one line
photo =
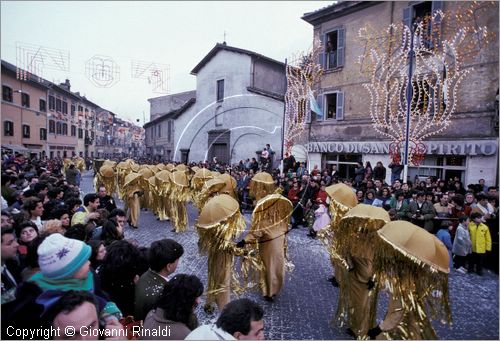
[(131, 178), (365, 216), (263, 177), (416, 243), (169, 167), (146, 173), (179, 178), (217, 209), (107, 171), (342, 194)]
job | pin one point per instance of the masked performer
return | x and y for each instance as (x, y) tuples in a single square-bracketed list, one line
[(261, 184), (415, 266), (218, 224), (107, 177), (163, 186), (200, 177), (357, 242), (179, 196), (231, 185)]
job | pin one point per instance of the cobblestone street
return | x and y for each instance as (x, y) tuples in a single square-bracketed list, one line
[(307, 303)]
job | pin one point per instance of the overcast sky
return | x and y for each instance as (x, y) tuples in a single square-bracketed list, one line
[(178, 34)]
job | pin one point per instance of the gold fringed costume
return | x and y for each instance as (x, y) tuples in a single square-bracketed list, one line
[(270, 220), (122, 170), (179, 196), (80, 164), (357, 242), (414, 264), (211, 188), (262, 184), (163, 187), (200, 177), (218, 224), (107, 178), (146, 173), (132, 190), (342, 199), (154, 196)]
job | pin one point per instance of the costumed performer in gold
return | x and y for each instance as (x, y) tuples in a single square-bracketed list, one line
[(107, 178), (261, 184), (210, 189), (163, 189), (357, 243), (414, 265), (122, 170), (146, 173), (200, 177), (267, 234), (179, 196), (231, 185), (342, 199), (80, 164), (219, 222), (132, 191)]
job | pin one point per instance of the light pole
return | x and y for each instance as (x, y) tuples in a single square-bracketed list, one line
[(409, 96)]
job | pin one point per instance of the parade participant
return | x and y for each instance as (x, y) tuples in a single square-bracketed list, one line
[(146, 173), (219, 222), (357, 241), (231, 185), (107, 178), (163, 187), (179, 196), (210, 189), (123, 169), (414, 264), (132, 191), (200, 177), (270, 220), (261, 184)]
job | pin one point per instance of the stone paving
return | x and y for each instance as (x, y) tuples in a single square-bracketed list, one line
[(305, 307)]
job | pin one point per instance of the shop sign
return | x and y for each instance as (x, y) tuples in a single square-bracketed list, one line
[(486, 148)]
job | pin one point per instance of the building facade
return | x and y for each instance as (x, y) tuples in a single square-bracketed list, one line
[(468, 148), (238, 109)]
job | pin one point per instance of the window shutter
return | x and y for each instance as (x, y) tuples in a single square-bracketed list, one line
[(308, 112), (321, 57), (340, 47), (407, 16), (320, 103), (340, 105)]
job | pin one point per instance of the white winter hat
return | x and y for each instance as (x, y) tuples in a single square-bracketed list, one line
[(60, 257)]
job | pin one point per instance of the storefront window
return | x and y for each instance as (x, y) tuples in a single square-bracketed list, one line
[(345, 163), (441, 167)]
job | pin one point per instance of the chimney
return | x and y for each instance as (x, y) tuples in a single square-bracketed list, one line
[(66, 85)]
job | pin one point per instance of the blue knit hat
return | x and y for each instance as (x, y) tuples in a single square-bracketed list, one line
[(60, 257)]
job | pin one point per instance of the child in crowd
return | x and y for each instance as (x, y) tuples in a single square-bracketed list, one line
[(462, 245), (481, 242)]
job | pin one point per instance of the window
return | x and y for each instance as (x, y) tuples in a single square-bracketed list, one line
[(26, 131), (80, 133), (65, 129), (43, 134), (422, 12), (159, 130), (334, 42), (64, 107), (8, 128), (334, 106), (52, 126), (43, 105), (73, 130), (220, 90), (92, 135), (58, 104), (73, 109), (25, 100), (6, 93), (80, 108), (169, 130), (59, 128), (52, 102), (443, 167)]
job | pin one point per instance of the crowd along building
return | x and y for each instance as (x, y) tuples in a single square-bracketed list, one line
[(344, 135)]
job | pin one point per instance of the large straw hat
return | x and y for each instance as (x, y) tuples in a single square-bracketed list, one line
[(109, 163), (135, 167), (163, 176), (107, 171), (131, 178), (203, 173), (342, 194), (263, 177), (229, 180), (417, 243), (213, 185), (179, 178), (365, 216), (217, 209), (214, 173), (181, 167), (195, 168), (169, 167), (146, 173), (123, 165), (275, 205)]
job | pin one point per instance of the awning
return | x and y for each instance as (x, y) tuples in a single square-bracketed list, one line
[(15, 147)]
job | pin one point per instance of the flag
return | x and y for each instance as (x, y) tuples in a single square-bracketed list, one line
[(314, 105)]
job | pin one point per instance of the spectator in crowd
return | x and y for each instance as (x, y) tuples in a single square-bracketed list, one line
[(53, 226), (34, 211), (62, 215), (97, 255), (481, 242), (294, 195), (443, 234), (105, 200), (400, 205), (164, 256), (396, 169), (359, 174), (370, 197), (240, 319), (462, 245), (111, 231), (422, 213), (9, 252), (174, 308), (72, 174), (383, 198), (360, 195), (31, 260), (368, 171), (88, 212), (379, 172), (482, 186)]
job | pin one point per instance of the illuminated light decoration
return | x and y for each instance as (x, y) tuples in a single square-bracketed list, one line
[(438, 72), (302, 74)]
